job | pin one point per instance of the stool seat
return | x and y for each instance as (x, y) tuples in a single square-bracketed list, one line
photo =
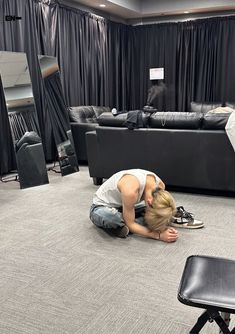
[(209, 283)]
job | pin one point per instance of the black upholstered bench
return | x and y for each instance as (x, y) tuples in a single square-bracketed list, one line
[(209, 283)]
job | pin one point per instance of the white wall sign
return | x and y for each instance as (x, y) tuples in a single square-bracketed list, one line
[(156, 73)]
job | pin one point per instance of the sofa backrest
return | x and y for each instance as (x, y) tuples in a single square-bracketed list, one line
[(214, 116), (86, 114), (171, 120), (215, 121), (207, 116), (98, 110), (108, 119), (121, 120), (176, 120)]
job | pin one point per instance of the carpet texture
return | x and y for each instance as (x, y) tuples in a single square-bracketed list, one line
[(59, 274)]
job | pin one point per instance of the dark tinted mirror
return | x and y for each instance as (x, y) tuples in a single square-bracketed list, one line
[(58, 114), (23, 119)]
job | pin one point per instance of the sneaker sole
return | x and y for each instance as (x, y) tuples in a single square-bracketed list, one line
[(124, 233), (119, 233), (184, 225)]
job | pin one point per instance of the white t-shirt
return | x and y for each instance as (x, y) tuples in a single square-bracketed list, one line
[(108, 193)]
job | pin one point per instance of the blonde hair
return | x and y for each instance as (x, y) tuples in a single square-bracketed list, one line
[(158, 215)]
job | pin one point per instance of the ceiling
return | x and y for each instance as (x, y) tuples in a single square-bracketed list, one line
[(15, 78), (134, 9), (14, 69)]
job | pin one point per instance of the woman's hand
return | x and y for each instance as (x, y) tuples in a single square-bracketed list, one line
[(168, 235)]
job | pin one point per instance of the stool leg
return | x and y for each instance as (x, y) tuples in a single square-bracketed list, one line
[(220, 321), (200, 323), (226, 317)]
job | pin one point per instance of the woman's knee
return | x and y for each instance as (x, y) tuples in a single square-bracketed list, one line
[(106, 217)]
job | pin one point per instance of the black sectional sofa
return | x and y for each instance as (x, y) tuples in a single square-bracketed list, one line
[(187, 150)]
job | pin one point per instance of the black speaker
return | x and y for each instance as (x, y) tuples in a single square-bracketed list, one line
[(31, 163)]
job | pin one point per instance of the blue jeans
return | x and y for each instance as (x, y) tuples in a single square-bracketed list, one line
[(105, 217)]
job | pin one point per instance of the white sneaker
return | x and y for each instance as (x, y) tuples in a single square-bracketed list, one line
[(193, 224), (185, 219)]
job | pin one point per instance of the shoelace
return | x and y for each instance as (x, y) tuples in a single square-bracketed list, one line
[(183, 213)]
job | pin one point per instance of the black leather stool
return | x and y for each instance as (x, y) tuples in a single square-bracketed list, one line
[(209, 283)]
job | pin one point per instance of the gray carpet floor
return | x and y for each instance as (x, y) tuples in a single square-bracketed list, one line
[(60, 274)]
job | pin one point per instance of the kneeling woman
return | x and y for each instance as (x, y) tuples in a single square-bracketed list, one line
[(115, 204)]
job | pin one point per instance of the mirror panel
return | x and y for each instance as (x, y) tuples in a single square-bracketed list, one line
[(23, 119), (58, 114)]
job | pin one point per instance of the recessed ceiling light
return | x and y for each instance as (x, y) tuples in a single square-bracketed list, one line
[(102, 5)]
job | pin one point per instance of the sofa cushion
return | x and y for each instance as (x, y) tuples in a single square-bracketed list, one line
[(108, 119), (82, 114), (98, 110), (215, 121), (175, 120), (221, 110), (203, 107)]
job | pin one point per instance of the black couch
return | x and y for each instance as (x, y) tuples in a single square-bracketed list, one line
[(83, 119), (187, 150)]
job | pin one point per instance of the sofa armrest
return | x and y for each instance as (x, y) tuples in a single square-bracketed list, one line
[(93, 157), (79, 131)]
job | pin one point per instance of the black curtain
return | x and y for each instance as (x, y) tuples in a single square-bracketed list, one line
[(119, 66), (107, 63), (151, 47), (206, 54), (82, 52), (198, 58)]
